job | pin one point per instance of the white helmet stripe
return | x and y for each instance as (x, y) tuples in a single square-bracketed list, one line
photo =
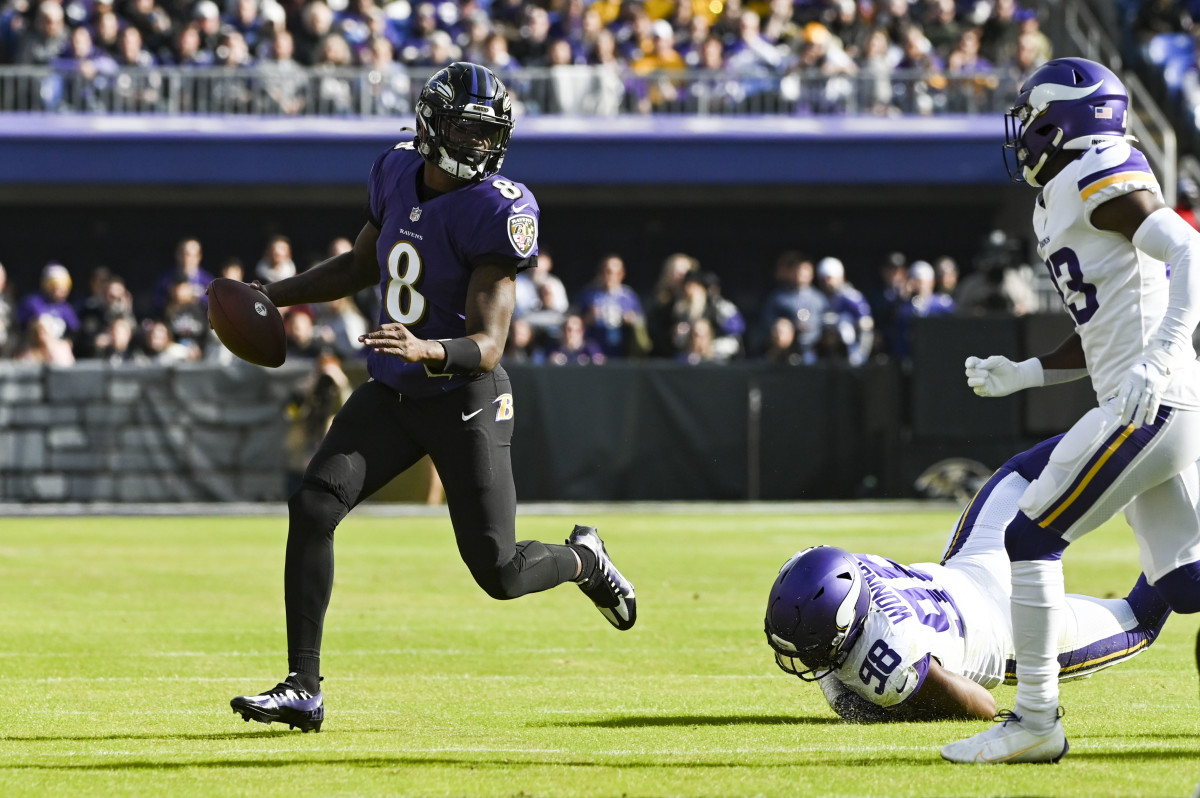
[(781, 643), (845, 612), (1046, 93)]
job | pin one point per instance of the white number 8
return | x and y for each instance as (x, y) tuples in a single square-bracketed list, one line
[(401, 300), (507, 189)]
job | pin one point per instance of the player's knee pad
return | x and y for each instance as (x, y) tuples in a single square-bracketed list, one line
[(1025, 540), (499, 582), (532, 568), (338, 474), (1181, 588), (316, 507), (323, 498)]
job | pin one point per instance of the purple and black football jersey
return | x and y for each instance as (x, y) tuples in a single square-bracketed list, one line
[(427, 250)]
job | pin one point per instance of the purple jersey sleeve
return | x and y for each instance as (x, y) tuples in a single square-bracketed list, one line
[(505, 229)]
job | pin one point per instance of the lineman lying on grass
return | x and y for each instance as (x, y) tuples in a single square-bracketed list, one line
[(928, 641)]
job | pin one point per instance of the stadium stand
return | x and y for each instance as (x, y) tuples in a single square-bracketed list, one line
[(117, 91)]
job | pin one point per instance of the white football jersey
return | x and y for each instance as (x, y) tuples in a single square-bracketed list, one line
[(917, 612), (1115, 293)]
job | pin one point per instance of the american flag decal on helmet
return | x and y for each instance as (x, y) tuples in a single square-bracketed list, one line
[(1103, 112), (522, 233)]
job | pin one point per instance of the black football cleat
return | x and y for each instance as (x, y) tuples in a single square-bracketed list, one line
[(611, 593), (286, 702)]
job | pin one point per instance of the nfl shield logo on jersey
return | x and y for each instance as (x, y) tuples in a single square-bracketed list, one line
[(522, 233), (415, 213)]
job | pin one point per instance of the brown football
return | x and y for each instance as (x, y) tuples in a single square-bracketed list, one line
[(246, 322)]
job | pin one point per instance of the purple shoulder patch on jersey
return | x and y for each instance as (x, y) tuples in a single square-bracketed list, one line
[(921, 667), (1136, 162)]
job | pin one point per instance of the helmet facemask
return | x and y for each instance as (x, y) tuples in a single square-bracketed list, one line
[(1045, 138), (469, 147)]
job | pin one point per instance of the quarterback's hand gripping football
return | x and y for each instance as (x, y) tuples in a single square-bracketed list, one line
[(1139, 396), (998, 376)]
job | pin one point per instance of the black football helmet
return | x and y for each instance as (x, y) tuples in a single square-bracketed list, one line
[(464, 121)]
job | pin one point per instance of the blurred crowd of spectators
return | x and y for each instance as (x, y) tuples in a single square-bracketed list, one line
[(1160, 41), (764, 48), (813, 314)]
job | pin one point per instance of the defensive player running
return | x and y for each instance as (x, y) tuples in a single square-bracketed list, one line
[(1106, 237), (928, 641), (445, 238)]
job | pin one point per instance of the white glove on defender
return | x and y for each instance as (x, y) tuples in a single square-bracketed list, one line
[(1139, 396), (999, 376)]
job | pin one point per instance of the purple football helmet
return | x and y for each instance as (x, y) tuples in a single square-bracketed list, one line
[(817, 609), (1066, 104), (464, 121)]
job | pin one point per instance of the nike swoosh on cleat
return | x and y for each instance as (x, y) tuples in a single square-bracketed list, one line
[(469, 416), (982, 758)]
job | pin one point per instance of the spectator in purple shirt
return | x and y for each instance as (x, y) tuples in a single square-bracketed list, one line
[(923, 301), (83, 68), (188, 255), (573, 349), (52, 302), (415, 43), (612, 312), (245, 18), (848, 305)]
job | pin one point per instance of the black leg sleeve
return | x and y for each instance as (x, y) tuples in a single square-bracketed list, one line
[(535, 567), (308, 572)]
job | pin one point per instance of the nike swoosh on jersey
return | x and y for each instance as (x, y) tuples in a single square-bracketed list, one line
[(1106, 147), (519, 208), (469, 416)]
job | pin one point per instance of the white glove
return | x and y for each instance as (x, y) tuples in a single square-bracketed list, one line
[(1139, 396), (999, 376)]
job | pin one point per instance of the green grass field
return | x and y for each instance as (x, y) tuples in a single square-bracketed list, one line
[(123, 639)]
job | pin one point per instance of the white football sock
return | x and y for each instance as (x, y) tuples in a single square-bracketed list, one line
[(1038, 603)]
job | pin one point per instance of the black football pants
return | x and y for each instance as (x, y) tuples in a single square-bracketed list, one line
[(377, 435)]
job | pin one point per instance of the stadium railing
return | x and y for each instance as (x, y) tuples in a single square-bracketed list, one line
[(269, 89), (1088, 37)]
